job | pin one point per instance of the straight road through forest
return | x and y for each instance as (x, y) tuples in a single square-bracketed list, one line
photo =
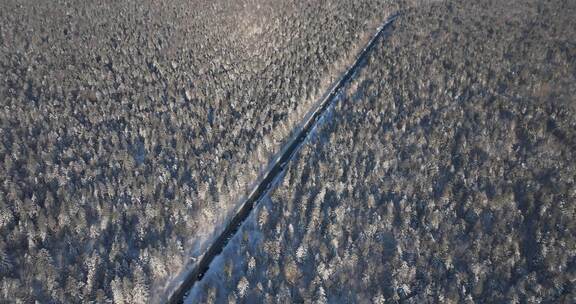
[(275, 170)]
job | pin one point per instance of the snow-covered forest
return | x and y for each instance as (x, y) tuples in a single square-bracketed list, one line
[(131, 132), (131, 129), (446, 174)]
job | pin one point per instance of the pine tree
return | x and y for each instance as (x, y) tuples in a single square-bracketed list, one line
[(141, 291), (321, 296), (242, 287), (117, 291), (5, 262)]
